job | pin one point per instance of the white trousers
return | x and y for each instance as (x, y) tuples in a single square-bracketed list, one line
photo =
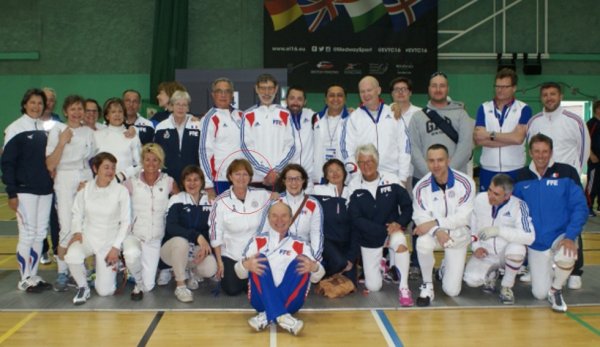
[(66, 183), (141, 258), (106, 276), (544, 274), (477, 269), (372, 258), (33, 216)]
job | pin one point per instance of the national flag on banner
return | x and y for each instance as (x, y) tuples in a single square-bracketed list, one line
[(282, 12), (405, 12), (364, 12), (319, 13)]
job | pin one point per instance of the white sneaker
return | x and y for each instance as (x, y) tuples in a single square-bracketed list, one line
[(183, 294), (289, 323), (526, 276), (164, 277), (193, 281), (259, 322), (507, 297), (489, 285), (83, 293), (556, 300), (574, 282), (426, 295)]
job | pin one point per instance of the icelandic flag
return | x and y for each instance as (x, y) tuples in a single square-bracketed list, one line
[(319, 13), (405, 12)]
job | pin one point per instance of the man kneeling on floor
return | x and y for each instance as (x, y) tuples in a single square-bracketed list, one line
[(280, 267), (501, 227)]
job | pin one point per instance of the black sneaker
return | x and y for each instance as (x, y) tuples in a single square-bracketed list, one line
[(83, 293), (137, 294)]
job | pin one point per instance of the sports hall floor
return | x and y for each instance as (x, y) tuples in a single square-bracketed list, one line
[(472, 319)]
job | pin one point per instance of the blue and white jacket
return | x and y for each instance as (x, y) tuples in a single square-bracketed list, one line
[(556, 202)]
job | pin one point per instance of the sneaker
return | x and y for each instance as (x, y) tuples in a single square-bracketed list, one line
[(506, 296), (164, 277), (405, 297), (259, 322), (414, 273), (439, 274), (29, 286), (525, 275), (289, 323), (40, 283), (183, 294), (61, 284), (574, 282), (91, 278), (556, 300), (193, 281), (83, 293), (426, 295), (592, 213), (136, 293), (489, 286), (45, 259)]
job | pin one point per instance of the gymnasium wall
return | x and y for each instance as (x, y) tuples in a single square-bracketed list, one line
[(98, 49)]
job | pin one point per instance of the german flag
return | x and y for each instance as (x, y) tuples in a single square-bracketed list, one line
[(282, 12)]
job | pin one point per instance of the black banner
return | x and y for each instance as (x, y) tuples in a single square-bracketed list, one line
[(329, 41)]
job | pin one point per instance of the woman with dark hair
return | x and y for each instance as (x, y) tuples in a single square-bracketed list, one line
[(340, 246), (29, 186), (70, 147), (113, 140), (234, 220), (307, 215), (185, 245), (101, 218)]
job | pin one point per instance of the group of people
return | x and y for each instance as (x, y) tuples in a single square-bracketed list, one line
[(269, 199)]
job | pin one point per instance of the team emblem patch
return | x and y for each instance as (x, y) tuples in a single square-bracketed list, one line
[(451, 194), (166, 135), (254, 204)]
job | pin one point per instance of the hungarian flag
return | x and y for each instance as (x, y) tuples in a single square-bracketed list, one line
[(364, 12), (405, 12), (282, 12), (319, 13)]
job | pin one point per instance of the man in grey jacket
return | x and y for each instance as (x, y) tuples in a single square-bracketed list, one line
[(424, 132)]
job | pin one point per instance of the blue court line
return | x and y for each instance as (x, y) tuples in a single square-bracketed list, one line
[(390, 329), (582, 322)]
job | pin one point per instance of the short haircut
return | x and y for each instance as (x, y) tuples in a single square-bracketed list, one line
[(298, 88), (110, 103), (132, 91), (547, 85), (72, 99), (337, 162), (29, 94), (288, 208), (335, 85), (265, 78), (100, 158), (180, 95), (504, 181), (192, 170), (237, 165), (171, 87), (437, 146), (404, 80), (213, 85), (508, 73), (367, 149), (156, 149), (540, 138), (49, 90), (436, 74), (95, 102), (288, 168), (596, 105)]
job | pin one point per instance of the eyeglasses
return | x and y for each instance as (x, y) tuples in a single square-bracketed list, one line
[(294, 179), (400, 90), (222, 91), (503, 87), (180, 104), (366, 162)]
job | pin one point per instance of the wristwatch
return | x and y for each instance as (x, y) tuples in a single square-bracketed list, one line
[(493, 135)]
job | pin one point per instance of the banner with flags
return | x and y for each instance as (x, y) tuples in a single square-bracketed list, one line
[(342, 40)]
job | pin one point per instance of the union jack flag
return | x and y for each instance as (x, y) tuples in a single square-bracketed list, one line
[(319, 13), (405, 12)]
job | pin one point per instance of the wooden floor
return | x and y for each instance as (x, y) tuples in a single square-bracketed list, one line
[(506, 327)]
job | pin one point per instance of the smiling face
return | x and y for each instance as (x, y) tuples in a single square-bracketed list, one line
[(151, 163), (369, 91), (335, 100), (540, 155), (192, 184), (266, 92), (335, 174), (295, 101), (438, 163), (496, 195), (105, 172), (132, 103), (74, 114), (90, 116), (222, 95), (34, 106), (551, 98), (438, 89), (115, 115), (240, 179), (401, 93), (368, 166), (293, 182), (280, 217)]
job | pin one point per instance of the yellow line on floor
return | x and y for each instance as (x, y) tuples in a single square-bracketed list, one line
[(17, 326), (5, 260)]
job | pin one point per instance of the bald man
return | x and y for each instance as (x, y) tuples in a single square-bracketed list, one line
[(374, 122)]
